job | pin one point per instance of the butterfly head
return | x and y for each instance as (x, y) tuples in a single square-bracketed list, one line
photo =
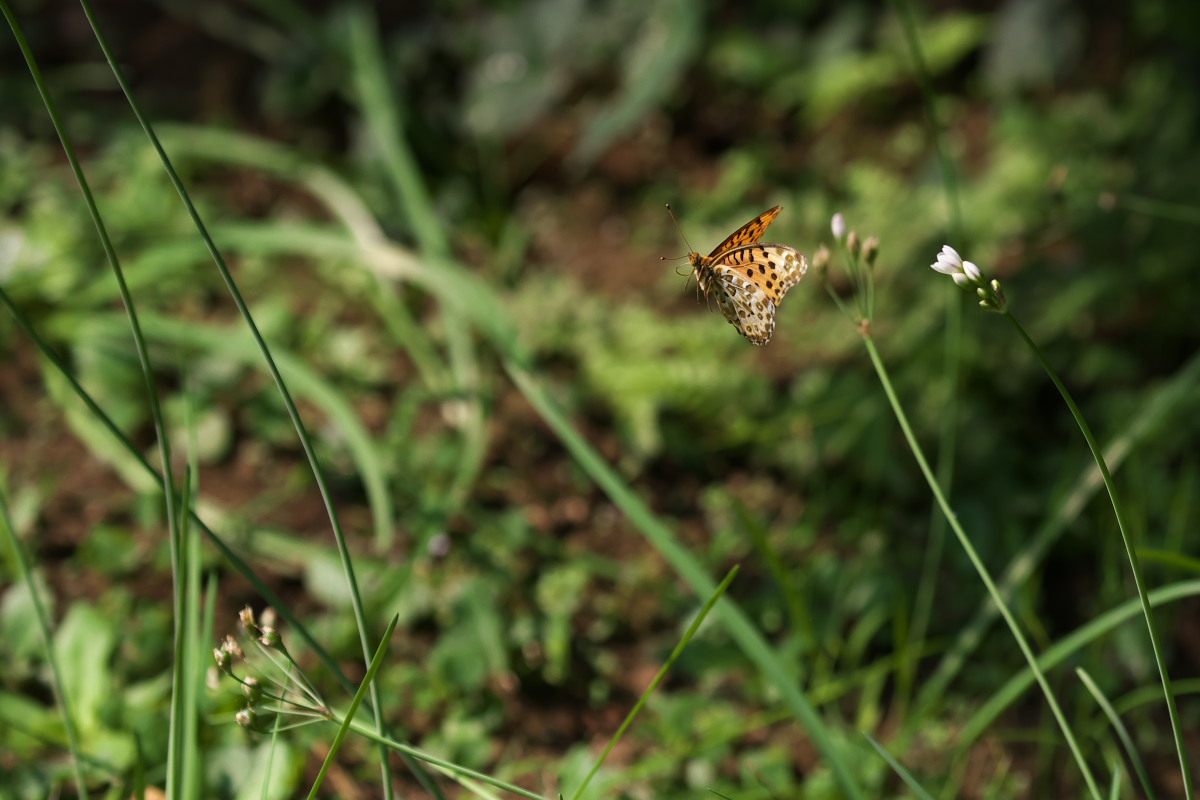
[(696, 260)]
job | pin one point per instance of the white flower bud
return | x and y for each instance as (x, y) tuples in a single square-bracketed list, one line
[(838, 225)]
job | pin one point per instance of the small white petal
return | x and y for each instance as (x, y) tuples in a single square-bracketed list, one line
[(973, 272), (838, 225), (961, 280), (951, 255), (944, 268)]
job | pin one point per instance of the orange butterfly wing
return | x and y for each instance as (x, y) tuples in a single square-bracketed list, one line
[(749, 233)]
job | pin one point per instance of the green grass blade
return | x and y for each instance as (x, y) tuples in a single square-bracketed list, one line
[(1122, 732), (658, 679), (359, 696), (376, 98), (449, 768), (163, 441), (25, 568), (1055, 654), (899, 769)]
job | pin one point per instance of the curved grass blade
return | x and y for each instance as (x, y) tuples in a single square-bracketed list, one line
[(1120, 730), (899, 769)]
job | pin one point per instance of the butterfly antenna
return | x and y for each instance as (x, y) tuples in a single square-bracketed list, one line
[(679, 228)]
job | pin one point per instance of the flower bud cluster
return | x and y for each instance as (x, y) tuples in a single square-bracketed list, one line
[(967, 275)]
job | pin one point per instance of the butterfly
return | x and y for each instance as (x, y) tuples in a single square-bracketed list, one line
[(748, 278)]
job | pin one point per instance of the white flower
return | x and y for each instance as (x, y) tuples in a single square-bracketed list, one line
[(949, 262), (949, 256), (838, 225)]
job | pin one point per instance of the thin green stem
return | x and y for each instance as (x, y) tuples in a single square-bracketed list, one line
[(1130, 551), (359, 696), (977, 563), (446, 767), (43, 625), (658, 679)]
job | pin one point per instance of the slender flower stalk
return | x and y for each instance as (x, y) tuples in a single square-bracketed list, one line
[(949, 262), (968, 275)]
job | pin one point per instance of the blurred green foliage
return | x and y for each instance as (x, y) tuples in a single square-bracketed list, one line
[(548, 135)]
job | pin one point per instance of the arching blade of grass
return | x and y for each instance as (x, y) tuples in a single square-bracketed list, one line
[(462, 774), (743, 631), (899, 769), (1124, 527), (1120, 730), (383, 117), (658, 678)]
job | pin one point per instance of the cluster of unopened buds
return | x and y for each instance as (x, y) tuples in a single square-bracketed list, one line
[(866, 249), (292, 695), (968, 276)]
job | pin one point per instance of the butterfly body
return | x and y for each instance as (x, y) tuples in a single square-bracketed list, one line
[(749, 278)]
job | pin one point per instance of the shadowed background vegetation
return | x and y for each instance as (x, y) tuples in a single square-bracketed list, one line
[(429, 206)]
